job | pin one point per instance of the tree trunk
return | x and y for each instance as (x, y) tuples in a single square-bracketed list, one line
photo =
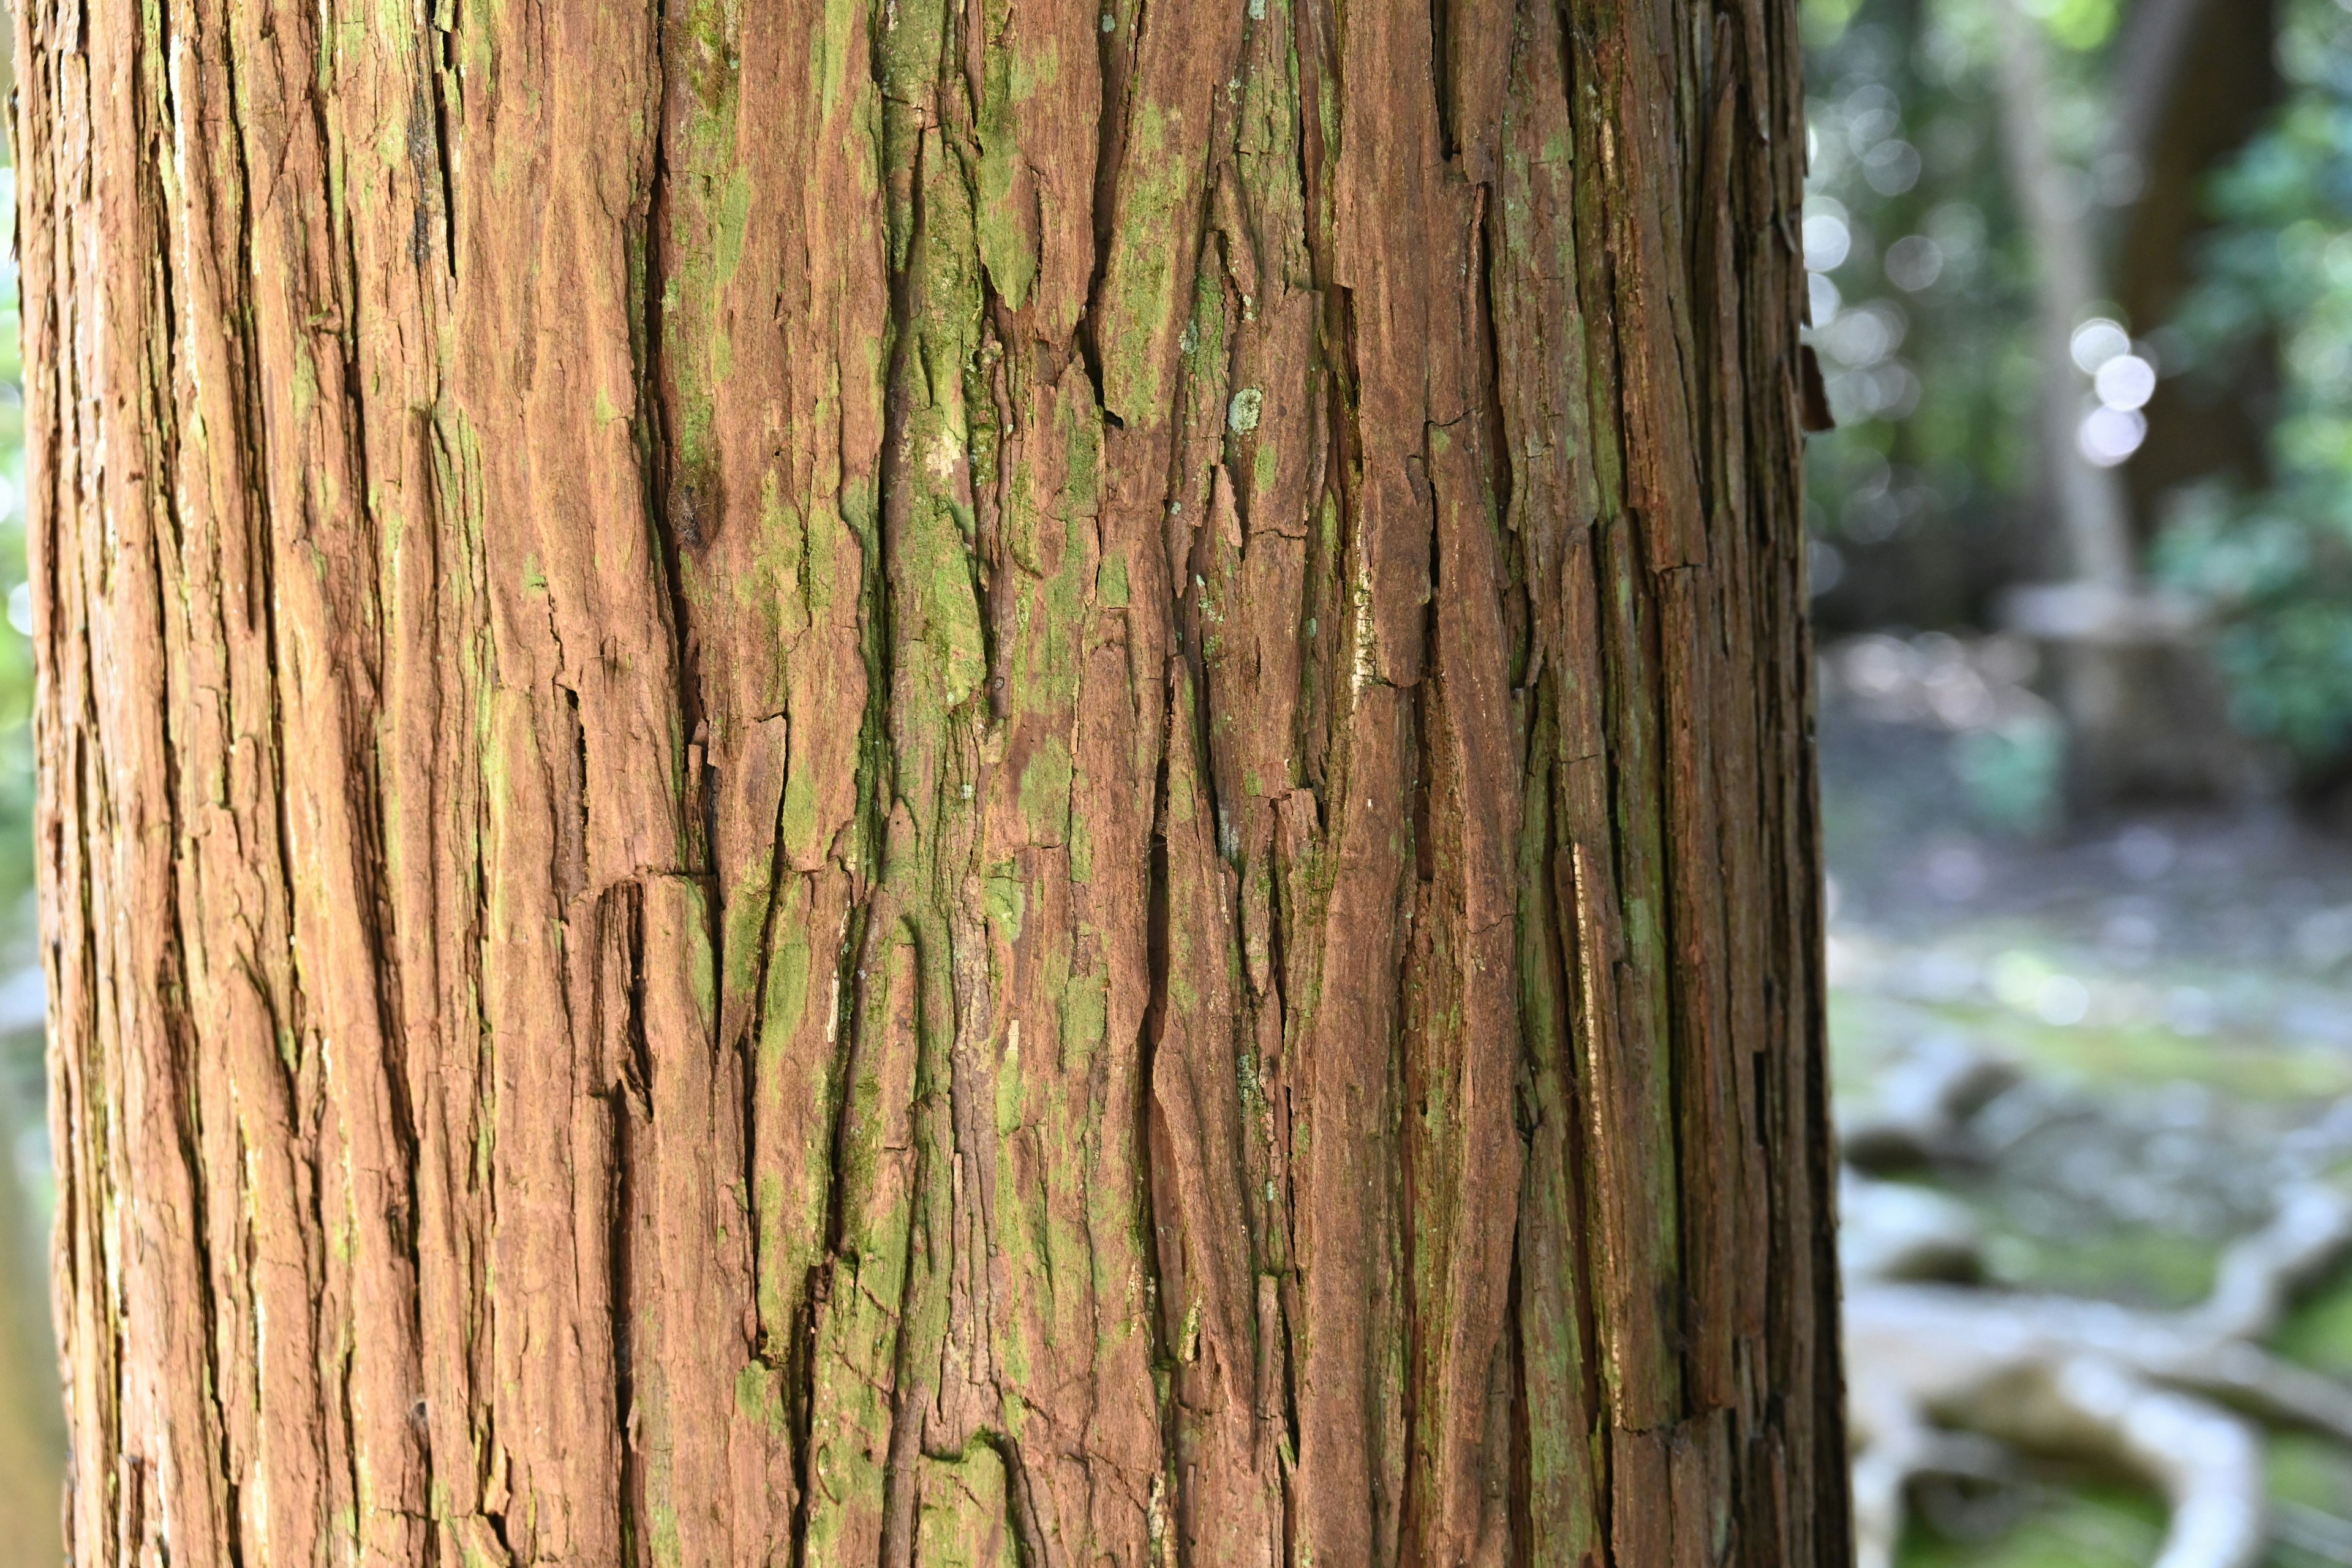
[(2085, 501), (2194, 82), (1021, 783)]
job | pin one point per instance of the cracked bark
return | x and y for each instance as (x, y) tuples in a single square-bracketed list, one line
[(1021, 782)]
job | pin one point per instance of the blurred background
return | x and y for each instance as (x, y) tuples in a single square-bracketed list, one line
[(32, 1423), (2081, 293)]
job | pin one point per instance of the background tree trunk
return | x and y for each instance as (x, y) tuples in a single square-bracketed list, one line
[(2086, 503), (1008, 782), (2195, 81)]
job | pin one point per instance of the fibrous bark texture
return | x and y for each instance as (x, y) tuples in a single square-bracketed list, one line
[(941, 781)]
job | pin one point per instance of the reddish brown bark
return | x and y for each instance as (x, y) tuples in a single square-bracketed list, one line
[(949, 783)]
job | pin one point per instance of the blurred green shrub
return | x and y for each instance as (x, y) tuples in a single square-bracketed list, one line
[(2274, 566), (2012, 772), (1921, 300)]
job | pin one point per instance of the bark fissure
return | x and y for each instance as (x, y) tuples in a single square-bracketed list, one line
[(1149, 1133), (1115, 51), (440, 73), (617, 938)]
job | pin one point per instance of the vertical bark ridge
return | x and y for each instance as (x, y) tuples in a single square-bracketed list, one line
[(934, 782)]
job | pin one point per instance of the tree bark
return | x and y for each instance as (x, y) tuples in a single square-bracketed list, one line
[(1011, 782)]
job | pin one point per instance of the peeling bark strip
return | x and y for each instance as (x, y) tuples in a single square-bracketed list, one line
[(934, 782)]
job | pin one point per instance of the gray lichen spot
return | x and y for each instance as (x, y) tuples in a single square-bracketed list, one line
[(1241, 415)]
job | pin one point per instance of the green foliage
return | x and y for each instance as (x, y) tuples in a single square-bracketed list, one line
[(2079, 25), (2012, 772), (1921, 295), (2274, 566), (2104, 1522)]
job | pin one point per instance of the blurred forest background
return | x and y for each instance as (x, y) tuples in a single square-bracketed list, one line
[(32, 1423), (2081, 294), (2080, 291)]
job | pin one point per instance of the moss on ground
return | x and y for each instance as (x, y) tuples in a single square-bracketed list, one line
[(2095, 1522)]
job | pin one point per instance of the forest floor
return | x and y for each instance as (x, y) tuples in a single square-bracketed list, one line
[(2175, 989)]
